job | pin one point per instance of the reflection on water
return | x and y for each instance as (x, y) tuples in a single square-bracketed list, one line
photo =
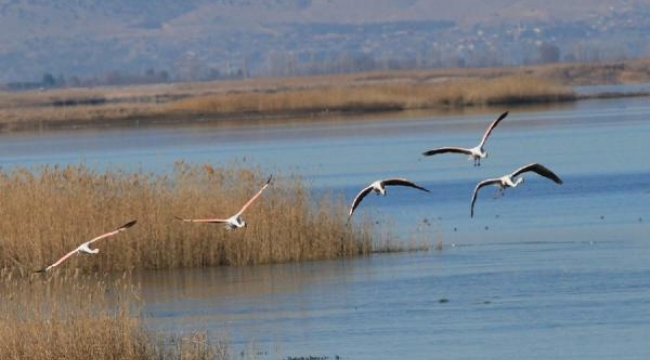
[(543, 272)]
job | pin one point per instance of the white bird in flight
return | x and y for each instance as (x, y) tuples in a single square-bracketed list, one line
[(476, 153), (236, 221), (379, 187), (85, 247), (509, 180)]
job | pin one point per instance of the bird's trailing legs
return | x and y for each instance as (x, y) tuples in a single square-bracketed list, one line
[(499, 193)]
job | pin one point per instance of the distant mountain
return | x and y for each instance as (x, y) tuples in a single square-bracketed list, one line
[(196, 39)]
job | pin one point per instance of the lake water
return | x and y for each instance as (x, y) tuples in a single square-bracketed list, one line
[(544, 272)]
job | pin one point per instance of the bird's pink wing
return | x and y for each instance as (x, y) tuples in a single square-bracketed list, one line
[(259, 193), (111, 233), (213, 221), (58, 262)]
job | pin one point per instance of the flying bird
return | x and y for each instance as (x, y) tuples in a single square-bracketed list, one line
[(85, 247), (509, 180), (379, 187), (476, 153), (236, 221)]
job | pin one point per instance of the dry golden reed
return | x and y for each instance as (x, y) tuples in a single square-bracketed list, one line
[(80, 318), (287, 97), (51, 210), (308, 95), (513, 89)]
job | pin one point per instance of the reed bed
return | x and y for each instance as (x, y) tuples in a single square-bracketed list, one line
[(308, 95), (80, 317), (280, 97), (51, 210), (514, 89)]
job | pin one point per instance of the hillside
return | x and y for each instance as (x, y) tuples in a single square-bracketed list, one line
[(195, 39)]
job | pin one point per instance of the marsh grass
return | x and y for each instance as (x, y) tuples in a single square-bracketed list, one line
[(403, 95), (307, 96), (51, 210), (291, 97), (81, 317)]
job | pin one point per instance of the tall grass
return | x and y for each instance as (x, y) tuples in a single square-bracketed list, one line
[(283, 97), (307, 95), (49, 211), (79, 317), (513, 89)]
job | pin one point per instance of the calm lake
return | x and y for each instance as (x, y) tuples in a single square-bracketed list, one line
[(545, 272)]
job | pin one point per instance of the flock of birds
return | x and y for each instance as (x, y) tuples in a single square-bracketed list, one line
[(234, 222), (476, 153)]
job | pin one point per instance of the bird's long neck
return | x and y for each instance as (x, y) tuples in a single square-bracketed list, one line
[(86, 249), (482, 153), (237, 221), (508, 181), (516, 182), (379, 188)]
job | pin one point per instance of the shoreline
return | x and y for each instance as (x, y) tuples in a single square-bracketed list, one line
[(240, 102), (175, 118)]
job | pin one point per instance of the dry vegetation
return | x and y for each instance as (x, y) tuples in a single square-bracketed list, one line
[(80, 318), (48, 212), (308, 96), (381, 97), (618, 72), (75, 312)]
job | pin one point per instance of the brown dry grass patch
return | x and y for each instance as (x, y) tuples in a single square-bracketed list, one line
[(79, 318), (309, 95), (50, 211), (401, 95)]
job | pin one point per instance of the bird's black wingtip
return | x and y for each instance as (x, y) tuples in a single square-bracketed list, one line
[(40, 270), (128, 225), (268, 181)]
